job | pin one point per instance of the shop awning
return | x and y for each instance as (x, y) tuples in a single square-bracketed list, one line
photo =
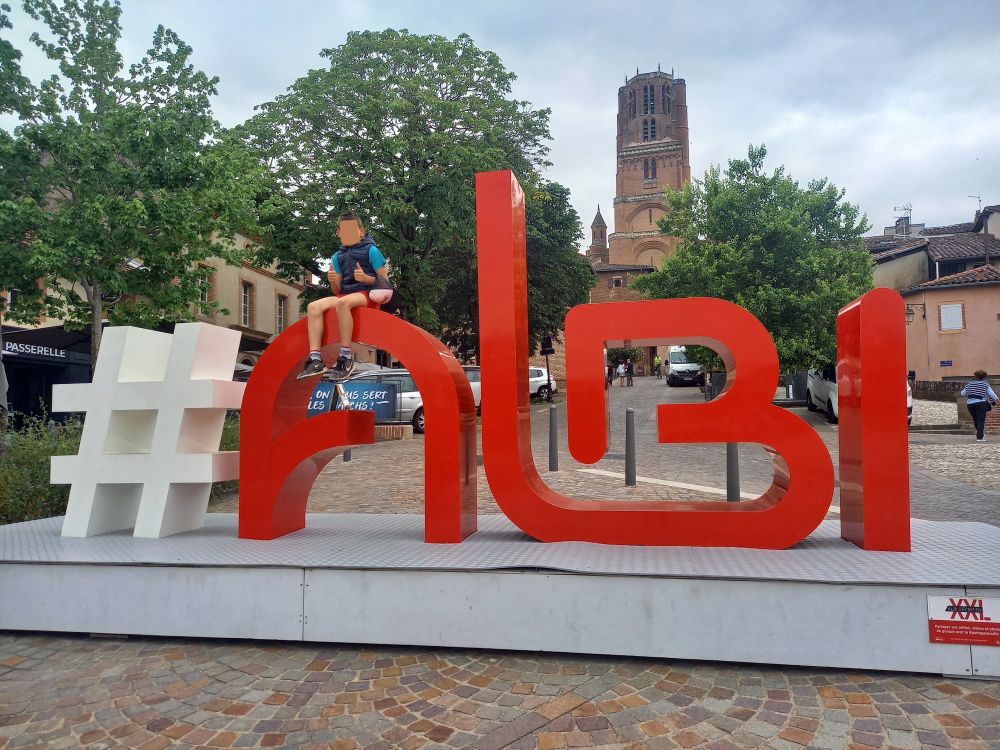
[(52, 337)]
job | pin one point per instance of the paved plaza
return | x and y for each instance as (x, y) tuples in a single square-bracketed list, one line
[(75, 691)]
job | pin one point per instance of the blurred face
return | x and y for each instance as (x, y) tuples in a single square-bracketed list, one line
[(350, 232)]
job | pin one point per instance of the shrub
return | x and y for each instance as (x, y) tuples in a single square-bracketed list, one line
[(25, 491), (230, 442)]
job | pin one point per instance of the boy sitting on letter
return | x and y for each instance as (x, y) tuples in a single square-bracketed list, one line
[(353, 272)]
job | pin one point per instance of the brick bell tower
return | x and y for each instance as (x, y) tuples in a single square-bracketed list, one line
[(652, 150)]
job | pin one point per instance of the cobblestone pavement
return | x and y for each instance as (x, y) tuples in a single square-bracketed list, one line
[(952, 476), (71, 692), (934, 412)]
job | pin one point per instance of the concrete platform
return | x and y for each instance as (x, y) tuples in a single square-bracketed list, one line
[(355, 578)]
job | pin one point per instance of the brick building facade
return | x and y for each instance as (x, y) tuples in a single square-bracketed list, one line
[(652, 154)]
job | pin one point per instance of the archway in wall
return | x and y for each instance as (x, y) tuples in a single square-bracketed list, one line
[(651, 253), (643, 217)]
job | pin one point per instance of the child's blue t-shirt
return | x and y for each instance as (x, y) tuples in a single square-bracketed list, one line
[(375, 257)]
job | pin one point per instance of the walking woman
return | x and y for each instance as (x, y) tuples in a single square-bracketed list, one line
[(979, 399)]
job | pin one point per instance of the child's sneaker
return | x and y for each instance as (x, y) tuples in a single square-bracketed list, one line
[(343, 369), (312, 368)]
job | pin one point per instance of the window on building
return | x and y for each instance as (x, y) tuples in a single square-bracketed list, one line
[(667, 105), (652, 167), (280, 313), (648, 130), (617, 281), (645, 169), (952, 316), (652, 130), (650, 216), (647, 100), (631, 104), (246, 304), (206, 286)]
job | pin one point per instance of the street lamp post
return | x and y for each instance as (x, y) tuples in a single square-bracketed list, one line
[(910, 312), (547, 350)]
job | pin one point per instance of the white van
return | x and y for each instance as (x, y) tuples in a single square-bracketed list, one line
[(680, 371)]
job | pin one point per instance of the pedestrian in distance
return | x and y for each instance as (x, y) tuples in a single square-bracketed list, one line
[(657, 364), (629, 373), (979, 399), (621, 375), (354, 270), (609, 378)]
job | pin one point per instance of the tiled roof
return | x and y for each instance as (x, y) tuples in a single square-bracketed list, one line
[(972, 277), (959, 246), (603, 267), (981, 216), (965, 226), (886, 247)]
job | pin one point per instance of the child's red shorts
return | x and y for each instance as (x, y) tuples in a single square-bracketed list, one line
[(371, 305)]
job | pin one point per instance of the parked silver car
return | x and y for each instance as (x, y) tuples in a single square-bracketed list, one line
[(409, 404)]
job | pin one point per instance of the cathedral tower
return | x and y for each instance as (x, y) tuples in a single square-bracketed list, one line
[(652, 150)]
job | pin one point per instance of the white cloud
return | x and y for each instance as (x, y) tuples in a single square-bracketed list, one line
[(894, 104)]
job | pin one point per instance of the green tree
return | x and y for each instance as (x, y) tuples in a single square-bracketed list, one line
[(558, 276), (395, 128), (792, 256), (117, 181)]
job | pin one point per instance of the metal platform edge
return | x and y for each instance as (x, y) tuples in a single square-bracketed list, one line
[(869, 627)]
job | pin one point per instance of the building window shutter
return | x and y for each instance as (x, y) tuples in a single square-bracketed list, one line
[(952, 317)]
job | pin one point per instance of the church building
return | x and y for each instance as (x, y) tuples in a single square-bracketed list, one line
[(652, 150), (652, 153)]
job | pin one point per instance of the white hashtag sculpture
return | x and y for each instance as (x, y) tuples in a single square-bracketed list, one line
[(149, 451)]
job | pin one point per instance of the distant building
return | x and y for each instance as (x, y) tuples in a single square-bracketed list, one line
[(652, 154), (949, 277)]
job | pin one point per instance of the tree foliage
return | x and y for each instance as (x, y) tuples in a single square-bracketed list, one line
[(559, 277), (394, 129), (117, 180), (792, 256), (621, 355)]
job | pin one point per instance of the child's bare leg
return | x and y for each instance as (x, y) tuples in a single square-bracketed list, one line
[(344, 320), (314, 313)]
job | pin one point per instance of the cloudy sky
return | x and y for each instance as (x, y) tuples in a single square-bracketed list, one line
[(896, 102)]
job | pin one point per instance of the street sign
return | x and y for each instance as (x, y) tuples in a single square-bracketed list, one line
[(357, 396)]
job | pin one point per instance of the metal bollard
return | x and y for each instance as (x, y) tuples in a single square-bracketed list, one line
[(347, 455), (630, 448), (553, 440), (732, 472)]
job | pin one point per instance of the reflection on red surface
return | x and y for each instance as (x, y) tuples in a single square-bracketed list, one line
[(281, 452), (793, 506), (874, 450)]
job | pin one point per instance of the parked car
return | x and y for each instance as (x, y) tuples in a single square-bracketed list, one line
[(538, 382), (472, 373), (409, 404), (682, 372), (821, 393)]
